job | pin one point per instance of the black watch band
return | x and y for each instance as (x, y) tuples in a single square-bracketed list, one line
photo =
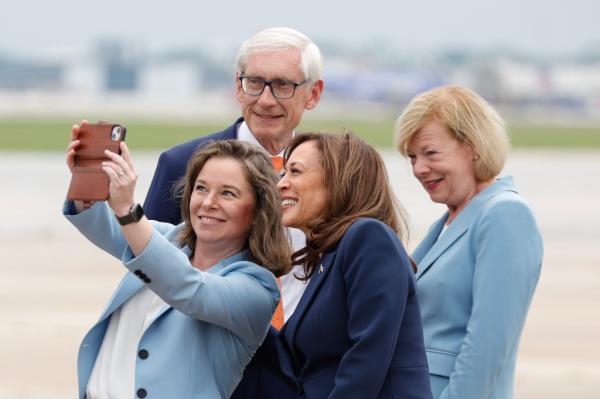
[(135, 214)]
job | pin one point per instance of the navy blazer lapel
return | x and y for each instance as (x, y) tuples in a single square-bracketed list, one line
[(291, 326)]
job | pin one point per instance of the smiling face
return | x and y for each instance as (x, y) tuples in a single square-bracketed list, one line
[(303, 192), (443, 165), (222, 206), (270, 118)]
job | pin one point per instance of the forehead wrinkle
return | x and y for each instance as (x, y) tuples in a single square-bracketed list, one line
[(421, 140)]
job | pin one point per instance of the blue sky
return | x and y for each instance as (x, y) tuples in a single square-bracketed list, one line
[(29, 27)]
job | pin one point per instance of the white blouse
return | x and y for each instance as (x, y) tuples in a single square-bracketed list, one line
[(113, 376)]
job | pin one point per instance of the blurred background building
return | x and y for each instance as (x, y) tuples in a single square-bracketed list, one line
[(123, 75)]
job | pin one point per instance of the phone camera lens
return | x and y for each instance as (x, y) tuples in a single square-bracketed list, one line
[(116, 133)]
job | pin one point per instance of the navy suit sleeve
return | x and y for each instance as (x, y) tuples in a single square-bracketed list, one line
[(268, 357), (377, 275), (267, 354), (161, 204)]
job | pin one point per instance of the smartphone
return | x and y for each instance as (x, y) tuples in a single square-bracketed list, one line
[(89, 182)]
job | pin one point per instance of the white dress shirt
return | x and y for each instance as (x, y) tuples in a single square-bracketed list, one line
[(291, 288)]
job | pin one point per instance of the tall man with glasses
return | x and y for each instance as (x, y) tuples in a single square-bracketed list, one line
[(278, 77)]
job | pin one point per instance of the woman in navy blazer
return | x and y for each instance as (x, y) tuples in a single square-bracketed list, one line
[(479, 264), (198, 298), (356, 332)]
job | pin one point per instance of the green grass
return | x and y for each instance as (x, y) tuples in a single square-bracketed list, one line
[(54, 134), (378, 133), (561, 137), (51, 134)]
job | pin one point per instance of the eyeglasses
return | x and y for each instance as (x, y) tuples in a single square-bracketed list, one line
[(280, 88)]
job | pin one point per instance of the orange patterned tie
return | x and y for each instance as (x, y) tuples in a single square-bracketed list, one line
[(277, 163), (277, 320)]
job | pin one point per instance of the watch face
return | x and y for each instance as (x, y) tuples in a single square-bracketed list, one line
[(137, 212), (134, 215)]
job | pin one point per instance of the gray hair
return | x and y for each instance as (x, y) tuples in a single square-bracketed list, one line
[(311, 61)]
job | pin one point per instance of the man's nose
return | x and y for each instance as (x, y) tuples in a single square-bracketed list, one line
[(267, 97)]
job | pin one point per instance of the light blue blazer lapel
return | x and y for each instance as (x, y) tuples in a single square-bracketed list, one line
[(429, 239), (290, 328), (129, 285), (439, 245), (90, 345), (457, 228)]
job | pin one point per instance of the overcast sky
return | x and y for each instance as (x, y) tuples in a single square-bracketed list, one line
[(30, 27)]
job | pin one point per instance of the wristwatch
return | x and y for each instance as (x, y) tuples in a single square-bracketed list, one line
[(136, 212)]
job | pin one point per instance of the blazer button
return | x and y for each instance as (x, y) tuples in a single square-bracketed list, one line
[(147, 280), (141, 393), (143, 354), (137, 272)]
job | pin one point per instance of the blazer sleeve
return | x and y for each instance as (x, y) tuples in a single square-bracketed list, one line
[(376, 273), (96, 225), (268, 355), (242, 299), (507, 253)]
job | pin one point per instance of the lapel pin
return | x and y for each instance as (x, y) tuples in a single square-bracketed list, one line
[(321, 269)]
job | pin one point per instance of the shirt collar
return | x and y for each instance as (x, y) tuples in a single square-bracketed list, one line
[(244, 134)]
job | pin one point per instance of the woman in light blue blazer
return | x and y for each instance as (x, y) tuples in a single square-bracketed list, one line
[(198, 298), (479, 264)]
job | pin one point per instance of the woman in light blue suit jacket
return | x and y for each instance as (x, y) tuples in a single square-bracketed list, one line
[(195, 304), (479, 264)]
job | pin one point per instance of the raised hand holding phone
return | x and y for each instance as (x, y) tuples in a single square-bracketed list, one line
[(85, 156), (123, 178)]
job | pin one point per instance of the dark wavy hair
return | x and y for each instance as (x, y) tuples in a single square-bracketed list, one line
[(267, 244), (358, 185)]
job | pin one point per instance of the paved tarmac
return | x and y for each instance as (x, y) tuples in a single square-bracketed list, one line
[(54, 284)]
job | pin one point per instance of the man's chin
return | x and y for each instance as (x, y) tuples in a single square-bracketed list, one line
[(263, 130)]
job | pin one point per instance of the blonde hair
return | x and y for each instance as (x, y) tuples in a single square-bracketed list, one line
[(468, 116)]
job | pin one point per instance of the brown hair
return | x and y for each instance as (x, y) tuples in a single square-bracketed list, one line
[(469, 117), (355, 175), (267, 243)]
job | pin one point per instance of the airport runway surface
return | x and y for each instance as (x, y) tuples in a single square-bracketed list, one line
[(54, 284)]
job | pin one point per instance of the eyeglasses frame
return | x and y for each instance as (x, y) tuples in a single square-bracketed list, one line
[(269, 83)]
